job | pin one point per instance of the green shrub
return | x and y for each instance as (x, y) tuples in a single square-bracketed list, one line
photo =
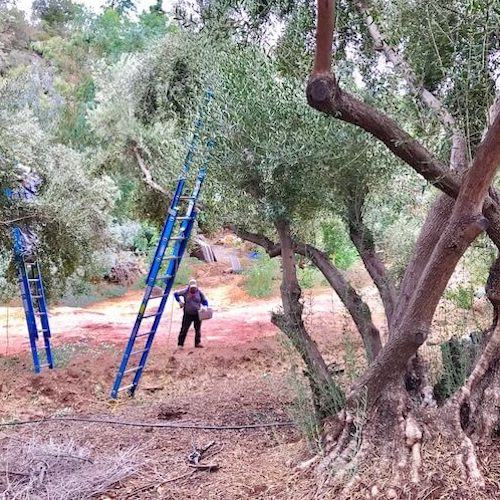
[(461, 296), (310, 277), (338, 245), (458, 357), (146, 239), (260, 277)]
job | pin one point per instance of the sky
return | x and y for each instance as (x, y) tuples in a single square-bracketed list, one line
[(95, 4)]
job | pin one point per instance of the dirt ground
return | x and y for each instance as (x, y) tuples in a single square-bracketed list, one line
[(240, 377)]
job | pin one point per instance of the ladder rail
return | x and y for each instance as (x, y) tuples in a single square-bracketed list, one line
[(44, 318), (165, 235)]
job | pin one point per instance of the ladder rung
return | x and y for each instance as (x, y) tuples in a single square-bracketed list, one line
[(33, 279), (36, 296), (125, 388), (44, 365), (187, 198), (159, 296), (151, 315), (165, 278), (143, 334), (133, 353), (171, 257), (130, 370), (178, 238), (41, 313), (184, 217)]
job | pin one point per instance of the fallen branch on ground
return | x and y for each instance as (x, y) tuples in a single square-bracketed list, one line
[(161, 483), (209, 467)]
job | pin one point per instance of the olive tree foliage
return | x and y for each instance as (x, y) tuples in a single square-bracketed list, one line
[(146, 105), (273, 148), (273, 156), (70, 213), (451, 48)]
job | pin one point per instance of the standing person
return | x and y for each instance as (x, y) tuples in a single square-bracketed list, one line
[(191, 299)]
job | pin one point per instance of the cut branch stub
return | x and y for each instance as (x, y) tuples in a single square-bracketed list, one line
[(321, 93)]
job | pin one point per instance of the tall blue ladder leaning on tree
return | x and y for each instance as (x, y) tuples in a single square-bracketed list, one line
[(174, 237), (34, 303)]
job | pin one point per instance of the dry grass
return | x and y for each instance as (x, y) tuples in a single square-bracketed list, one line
[(33, 469)]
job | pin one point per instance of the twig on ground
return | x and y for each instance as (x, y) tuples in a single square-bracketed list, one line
[(7, 472), (161, 483), (216, 452), (209, 467)]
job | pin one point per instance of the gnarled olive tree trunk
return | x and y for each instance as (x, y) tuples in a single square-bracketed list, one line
[(380, 419)]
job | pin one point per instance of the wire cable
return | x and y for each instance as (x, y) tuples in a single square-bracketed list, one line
[(159, 425)]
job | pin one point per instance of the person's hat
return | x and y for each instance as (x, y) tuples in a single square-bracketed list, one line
[(193, 284)]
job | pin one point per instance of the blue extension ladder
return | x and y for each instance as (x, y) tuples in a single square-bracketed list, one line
[(174, 237), (33, 295), (35, 309)]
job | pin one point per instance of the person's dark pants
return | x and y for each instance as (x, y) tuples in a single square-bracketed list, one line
[(187, 319)]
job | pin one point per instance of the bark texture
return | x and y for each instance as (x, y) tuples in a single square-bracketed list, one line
[(434, 225)]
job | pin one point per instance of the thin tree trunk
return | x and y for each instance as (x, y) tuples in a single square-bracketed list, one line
[(357, 308), (362, 239), (326, 395)]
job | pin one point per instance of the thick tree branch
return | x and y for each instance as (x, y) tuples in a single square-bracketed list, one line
[(148, 178), (271, 248), (434, 225), (357, 308), (324, 94), (324, 37), (458, 160)]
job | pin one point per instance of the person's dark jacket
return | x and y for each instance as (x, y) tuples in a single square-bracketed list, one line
[(192, 301)]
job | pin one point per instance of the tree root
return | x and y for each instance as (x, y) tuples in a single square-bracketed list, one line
[(393, 454)]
